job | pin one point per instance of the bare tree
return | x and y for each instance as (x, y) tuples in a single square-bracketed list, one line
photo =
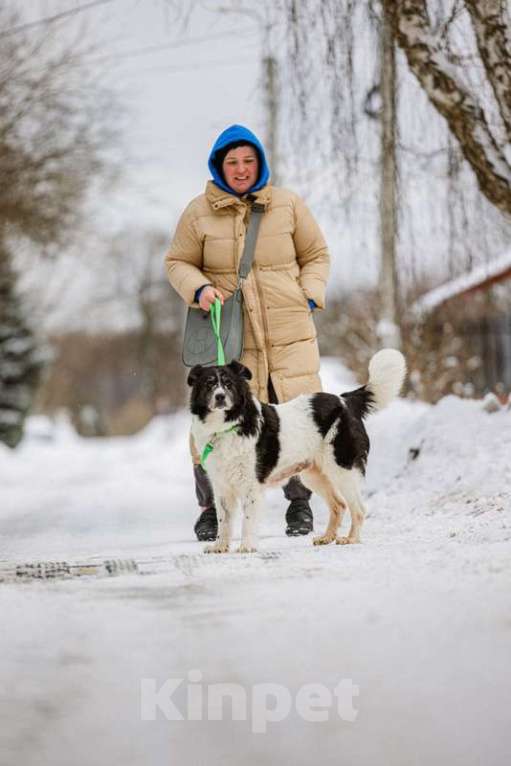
[(120, 364), (134, 286), (54, 126), (466, 111), (331, 101)]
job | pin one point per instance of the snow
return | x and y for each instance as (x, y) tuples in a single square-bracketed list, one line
[(417, 616), (434, 298)]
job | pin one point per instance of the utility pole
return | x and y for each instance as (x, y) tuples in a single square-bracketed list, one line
[(270, 78), (388, 329), (271, 108)]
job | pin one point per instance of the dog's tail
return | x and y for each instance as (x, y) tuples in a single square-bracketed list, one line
[(387, 370)]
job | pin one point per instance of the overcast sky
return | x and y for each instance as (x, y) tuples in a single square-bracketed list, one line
[(203, 77), (178, 99)]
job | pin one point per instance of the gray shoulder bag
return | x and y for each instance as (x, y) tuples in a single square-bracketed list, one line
[(199, 344)]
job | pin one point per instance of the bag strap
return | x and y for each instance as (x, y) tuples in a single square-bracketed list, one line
[(247, 258)]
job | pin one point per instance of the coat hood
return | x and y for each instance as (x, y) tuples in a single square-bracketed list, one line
[(229, 136)]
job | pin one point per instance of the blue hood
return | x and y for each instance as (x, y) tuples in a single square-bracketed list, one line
[(229, 136)]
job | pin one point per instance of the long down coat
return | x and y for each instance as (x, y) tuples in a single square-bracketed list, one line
[(290, 266)]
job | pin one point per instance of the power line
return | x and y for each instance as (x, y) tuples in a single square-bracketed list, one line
[(51, 19), (168, 46), (194, 68)]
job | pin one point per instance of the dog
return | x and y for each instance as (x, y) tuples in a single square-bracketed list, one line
[(247, 445)]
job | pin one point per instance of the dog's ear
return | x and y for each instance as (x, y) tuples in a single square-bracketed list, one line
[(240, 369), (194, 374)]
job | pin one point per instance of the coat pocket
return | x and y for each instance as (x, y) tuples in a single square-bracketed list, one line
[(302, 298), (283, 290)]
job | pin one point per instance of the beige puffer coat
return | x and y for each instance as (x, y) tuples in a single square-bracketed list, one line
[(290, 266)]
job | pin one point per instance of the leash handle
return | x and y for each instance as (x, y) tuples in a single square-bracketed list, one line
[(215, 311)]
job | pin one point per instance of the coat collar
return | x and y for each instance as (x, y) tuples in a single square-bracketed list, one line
[(218, 198)]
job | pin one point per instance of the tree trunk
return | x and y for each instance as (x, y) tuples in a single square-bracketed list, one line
[(464, 114), (488, 22), (388, 325)]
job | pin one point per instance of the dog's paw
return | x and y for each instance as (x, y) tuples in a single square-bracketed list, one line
[(217, 548), (323, 540), (346, 541), (244, 548)]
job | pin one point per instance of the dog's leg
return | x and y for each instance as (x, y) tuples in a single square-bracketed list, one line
[(224, 511), (315, 480), (337, 507), (251, 509), (357, 510)]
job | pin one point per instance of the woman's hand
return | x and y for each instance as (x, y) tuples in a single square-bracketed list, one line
[(208, 296)]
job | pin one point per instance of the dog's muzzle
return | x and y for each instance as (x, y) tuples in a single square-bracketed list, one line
[(220, 400)]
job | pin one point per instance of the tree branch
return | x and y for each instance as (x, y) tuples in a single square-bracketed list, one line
[(492, 42), (464, 115)]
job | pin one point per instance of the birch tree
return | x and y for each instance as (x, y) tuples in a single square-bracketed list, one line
[(482, 143)]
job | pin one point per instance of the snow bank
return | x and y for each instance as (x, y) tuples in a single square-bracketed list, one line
[(455, 444), (43, 429)]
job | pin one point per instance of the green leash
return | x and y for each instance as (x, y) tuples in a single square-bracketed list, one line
[(215, 311)]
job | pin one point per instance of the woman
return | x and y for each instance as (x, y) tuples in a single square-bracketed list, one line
[(286, 284)]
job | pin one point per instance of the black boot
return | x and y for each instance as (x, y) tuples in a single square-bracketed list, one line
[(206, 526), (299, 513)]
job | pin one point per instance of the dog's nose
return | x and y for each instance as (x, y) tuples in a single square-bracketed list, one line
[(219, 398)]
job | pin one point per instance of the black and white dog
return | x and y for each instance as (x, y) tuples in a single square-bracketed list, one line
[(246, 445)]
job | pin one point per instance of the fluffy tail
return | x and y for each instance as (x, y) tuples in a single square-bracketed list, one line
[(387, 370)]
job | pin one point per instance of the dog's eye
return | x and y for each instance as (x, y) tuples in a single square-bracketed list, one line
[(227, 383)]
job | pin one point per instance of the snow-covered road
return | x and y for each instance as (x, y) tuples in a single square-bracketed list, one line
[(414, 624)]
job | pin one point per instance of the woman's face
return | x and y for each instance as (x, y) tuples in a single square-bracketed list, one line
[(241, 168)]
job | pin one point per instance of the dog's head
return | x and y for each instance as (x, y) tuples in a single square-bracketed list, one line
[(219, 389)]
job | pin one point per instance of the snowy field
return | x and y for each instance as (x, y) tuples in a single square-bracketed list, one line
[(415, 622)]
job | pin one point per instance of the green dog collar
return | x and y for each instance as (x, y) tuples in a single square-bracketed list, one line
[(210, 446)]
